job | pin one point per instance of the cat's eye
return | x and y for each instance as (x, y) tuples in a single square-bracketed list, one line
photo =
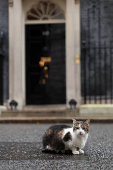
[(83, 128), (77, 128)]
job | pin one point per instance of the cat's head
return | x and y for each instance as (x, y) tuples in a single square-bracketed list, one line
[(81, 128)]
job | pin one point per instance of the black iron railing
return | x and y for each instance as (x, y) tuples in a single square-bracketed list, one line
[(97, 67), (96, 52)]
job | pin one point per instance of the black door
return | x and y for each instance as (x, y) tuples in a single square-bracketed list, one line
[(45, 64)]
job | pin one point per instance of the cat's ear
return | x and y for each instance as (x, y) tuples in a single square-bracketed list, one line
[(88, 121), (74, 121)]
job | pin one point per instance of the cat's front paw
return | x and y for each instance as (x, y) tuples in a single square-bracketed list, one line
[(75, 152), (81, 151)]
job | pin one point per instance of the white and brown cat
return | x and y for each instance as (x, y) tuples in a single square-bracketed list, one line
[(62, 138)]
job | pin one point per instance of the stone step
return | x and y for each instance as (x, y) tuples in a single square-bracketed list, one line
[(41, 113), (52, 119), (54, 113)]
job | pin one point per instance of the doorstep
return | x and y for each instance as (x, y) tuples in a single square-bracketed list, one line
[(51, 116), (52, 120), (45, 108), (41, 113)]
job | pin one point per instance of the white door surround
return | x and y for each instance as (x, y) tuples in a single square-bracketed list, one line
[(18, 10)]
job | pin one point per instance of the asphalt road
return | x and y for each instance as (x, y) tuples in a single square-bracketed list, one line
[(21, 144)]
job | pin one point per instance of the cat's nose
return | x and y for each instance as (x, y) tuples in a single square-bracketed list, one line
[(80, 133)]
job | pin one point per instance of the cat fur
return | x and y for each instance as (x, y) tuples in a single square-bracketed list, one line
[(63, 138)]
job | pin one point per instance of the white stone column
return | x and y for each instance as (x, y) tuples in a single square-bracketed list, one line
[(11, 31), (73, 85), (15, 55)]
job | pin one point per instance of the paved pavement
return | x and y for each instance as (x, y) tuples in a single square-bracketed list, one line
[(20, 149)]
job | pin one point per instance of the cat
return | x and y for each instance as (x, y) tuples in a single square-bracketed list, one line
[(62, 138)]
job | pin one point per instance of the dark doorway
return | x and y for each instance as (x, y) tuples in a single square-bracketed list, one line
[(45, 64)]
